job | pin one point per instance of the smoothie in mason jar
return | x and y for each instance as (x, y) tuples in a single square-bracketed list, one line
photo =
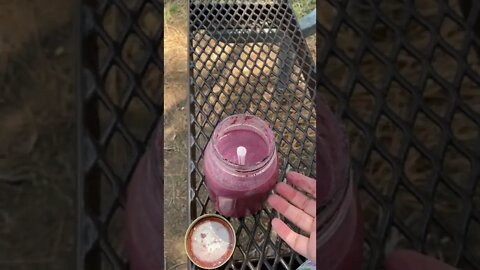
[(240, 165)]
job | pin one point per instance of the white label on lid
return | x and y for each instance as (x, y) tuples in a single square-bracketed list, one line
[(210, 241)]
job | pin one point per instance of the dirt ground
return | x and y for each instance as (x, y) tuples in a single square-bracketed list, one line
[(175, 105)]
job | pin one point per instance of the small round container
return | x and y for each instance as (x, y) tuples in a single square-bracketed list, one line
[(210, 241)]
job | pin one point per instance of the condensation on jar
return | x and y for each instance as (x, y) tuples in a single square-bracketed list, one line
[(236, 187), (340, 223)]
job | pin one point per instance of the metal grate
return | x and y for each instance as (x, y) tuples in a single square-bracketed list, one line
[(405, 76), (120, 101), (250, 57)]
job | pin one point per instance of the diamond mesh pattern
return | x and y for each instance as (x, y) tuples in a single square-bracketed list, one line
[(120, 75), (405, 75), (250, 57)]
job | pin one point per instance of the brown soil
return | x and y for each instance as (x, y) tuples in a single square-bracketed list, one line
[(175, 104)]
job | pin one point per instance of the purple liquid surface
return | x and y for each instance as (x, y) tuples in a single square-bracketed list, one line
[(257, 148)]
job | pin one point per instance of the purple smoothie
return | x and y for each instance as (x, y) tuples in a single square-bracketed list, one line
[(237, 189), (257, 148), (339, 221)]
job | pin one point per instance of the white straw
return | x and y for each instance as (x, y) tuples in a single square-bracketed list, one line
[(241, 154)]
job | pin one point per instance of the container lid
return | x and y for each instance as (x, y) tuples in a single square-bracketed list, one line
[(210, 241)]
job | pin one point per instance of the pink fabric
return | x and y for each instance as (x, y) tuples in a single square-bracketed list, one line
[(411, 260)]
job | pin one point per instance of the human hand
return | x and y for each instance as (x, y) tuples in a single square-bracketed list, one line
[(300, 209)]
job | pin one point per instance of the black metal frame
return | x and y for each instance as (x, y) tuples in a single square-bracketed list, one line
[(404, 122), (250, 56)]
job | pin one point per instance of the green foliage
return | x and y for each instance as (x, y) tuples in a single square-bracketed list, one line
[(173, 10), (303, 7)]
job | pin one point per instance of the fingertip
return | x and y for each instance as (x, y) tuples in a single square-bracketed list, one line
[(298, 176), (294, 177), (278, 203), (275, 221), (303, 182), (291, 174), (272, 199), (276, 225), (281, 187), (279, 226), (288, 192)]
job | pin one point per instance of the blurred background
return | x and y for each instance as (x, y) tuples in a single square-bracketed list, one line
[(37, 135), (406, 76)]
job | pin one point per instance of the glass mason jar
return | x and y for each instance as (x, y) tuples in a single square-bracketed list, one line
[(144, 211), (238, 189), (340, 223)]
